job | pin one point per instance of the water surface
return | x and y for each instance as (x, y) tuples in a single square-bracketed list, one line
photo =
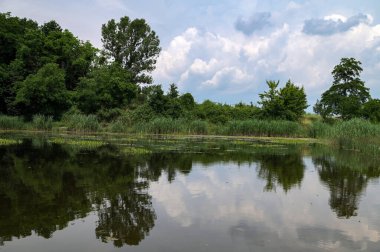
[(186, 195)]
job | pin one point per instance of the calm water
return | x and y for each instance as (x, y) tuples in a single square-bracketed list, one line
[(193, 195)]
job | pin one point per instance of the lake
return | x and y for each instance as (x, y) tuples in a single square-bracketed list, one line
[(192, 194)]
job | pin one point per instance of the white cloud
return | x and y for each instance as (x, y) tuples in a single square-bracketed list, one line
[(112, 4), (211, 65)]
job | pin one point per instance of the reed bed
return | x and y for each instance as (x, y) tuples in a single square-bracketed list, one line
[(12, 123), (264, 128), (81, 123)]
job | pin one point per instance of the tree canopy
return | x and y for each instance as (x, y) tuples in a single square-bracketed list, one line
[(288, 103), (133, 45), (347, 95)]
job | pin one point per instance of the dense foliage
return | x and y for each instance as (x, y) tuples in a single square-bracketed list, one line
[(347, 95), (46, 72)]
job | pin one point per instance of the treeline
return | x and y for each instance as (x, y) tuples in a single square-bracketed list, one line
[(47, 72)]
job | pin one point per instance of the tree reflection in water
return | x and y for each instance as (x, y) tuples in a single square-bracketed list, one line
[(45, 186), (346, 175)]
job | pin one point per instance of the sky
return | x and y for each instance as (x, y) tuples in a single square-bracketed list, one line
[(226, 50)]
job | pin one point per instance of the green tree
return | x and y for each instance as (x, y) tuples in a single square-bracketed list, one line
[(288, 103), (133, 45), (173, 91), (157, 100), (187, 101), (271, 104), (294, 101), (43, 93), (105, 88), (347, 94), (371, 110)]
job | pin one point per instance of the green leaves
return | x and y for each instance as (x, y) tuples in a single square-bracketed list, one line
[(43, 93), (288, 103), (347, 94), (133, 45)]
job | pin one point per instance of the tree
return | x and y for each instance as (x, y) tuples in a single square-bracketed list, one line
[(347, 94), (173, 91), (294, 101), (133, 45), (105, 88), (271, 104), (371, 110), (43, 93), (288, 103)]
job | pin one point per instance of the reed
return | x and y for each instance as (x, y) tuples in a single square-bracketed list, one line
[(41, 122), (82, 123), (12, 122), (264, 128)]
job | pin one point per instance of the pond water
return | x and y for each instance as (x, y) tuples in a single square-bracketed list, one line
[(185, 195)]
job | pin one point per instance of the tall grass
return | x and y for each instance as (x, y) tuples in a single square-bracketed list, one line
[(356, 134), (82, 123), (198, 127), (42, 122), (161, 125), (264, 128), (11, 122)]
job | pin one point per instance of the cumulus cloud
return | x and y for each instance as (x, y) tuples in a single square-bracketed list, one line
[(334, 24), (256, 22), (232, 68)]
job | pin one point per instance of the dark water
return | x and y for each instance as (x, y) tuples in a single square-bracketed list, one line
[(193, 195)]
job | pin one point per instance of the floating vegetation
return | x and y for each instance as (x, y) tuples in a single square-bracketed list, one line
[(78, 142), (4, 141), (135, 150)]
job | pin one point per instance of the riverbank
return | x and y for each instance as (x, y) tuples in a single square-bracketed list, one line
[(355, 134)]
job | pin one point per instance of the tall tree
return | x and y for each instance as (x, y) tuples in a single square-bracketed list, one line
[(347, 94), (133, 45)]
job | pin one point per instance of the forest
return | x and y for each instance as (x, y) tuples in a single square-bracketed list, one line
[(50, 79)]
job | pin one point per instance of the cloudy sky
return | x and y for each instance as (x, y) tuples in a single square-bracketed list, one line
[(225, 50)]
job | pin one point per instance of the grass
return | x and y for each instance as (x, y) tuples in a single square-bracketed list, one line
[(263, 128), (355, 134), (41, 122), (11, 123), (81, 123)]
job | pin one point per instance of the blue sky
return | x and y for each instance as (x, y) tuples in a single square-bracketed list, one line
[(225, 50)]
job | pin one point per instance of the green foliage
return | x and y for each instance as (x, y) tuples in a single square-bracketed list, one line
[(11, 122), (162, 125), (173, 91), (27, 47), (43, 93), (42, 122), (157, 100), (83, 123), (264, 128), (347, 94), (288, 103), (133, 45), (371, 110), (198, 127), (187, 101), (293, 101), (143, 113), (105, 88)]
